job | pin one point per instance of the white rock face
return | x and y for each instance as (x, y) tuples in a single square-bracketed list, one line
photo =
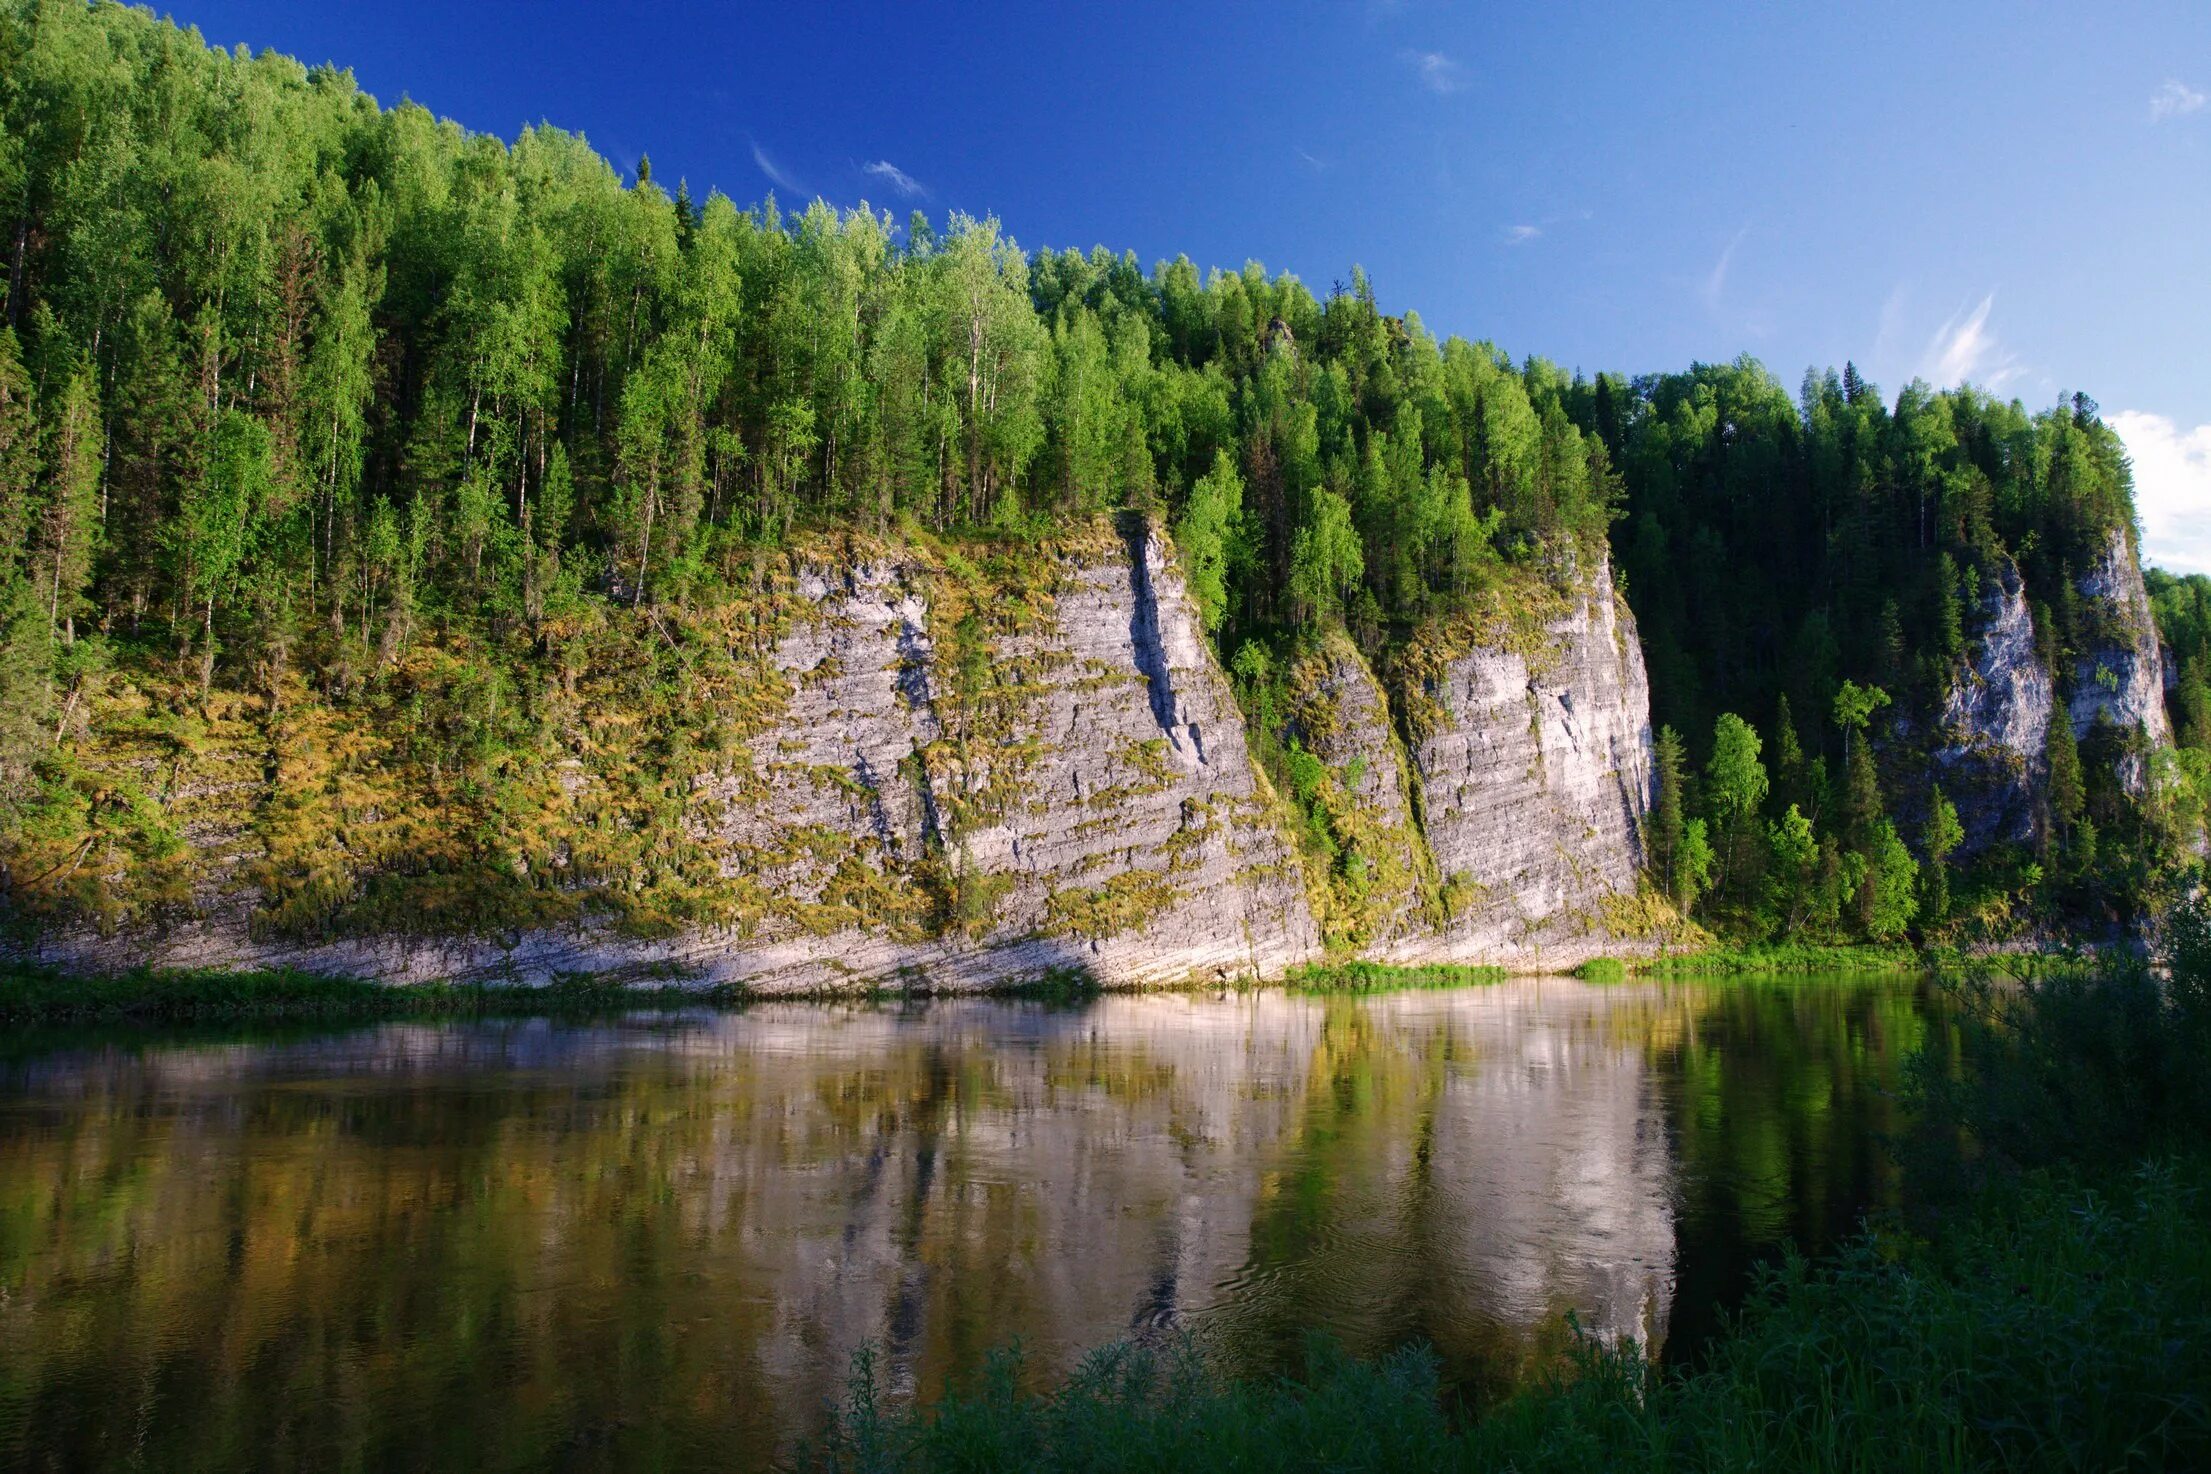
[(2121, 677), (1100, 797), (1535, 790), (1533, 787), (1074, 792), (1995, 723), (1995, 720)]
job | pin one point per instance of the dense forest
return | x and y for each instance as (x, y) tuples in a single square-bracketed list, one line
[(292, 385)]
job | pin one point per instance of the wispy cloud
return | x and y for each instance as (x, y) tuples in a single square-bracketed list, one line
[(1313, 161), (1437, 72), (1715, 283), (1520, 235), (1964, 349), (898, 179), (772, 169), (2176, 99), (2172, 488)]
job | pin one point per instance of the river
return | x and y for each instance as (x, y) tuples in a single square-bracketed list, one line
[(656, 1241)]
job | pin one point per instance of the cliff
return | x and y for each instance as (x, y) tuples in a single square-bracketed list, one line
[(908, 766), (1508, 827), (1993, 728), (943, 775), (2119, 673), (1994, 725), (1532, 746)]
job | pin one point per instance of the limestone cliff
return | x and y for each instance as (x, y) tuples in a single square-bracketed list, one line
[(1993, 728), (950, 779), (1509, 828), (1533, 754), (1995, 722), (909, 766), (2119, 674)]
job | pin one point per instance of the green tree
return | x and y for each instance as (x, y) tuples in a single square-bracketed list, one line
[(2065, 790), (1890, 888), (1735, 785), (1940, 839), (69, 522), (1792, 875), (1326, 560), (1210, 535), (1667, 823)]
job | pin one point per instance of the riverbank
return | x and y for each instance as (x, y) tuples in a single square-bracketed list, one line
[(36, 996), (2046, 1305)]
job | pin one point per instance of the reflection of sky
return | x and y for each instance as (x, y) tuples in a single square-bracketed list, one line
[(782, 1185)]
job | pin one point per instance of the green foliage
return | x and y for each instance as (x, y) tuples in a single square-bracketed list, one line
[(39, 997), (1210, 534), (305, 394), (1375, 977), (1602, 970)]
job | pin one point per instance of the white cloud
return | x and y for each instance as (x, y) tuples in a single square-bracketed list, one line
[(1963, 349), (1313, 161), (1437, 72), (1716, 282), (2172, 488), (772, 169), (897, 178), (1520, 235), (2174, 100)]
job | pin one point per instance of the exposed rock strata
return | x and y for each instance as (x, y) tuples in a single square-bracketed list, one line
[(948, 783), (1534, 784), (1995, 722), (2120, 676), (1994, 725), (1532, 768), (1090, 805)]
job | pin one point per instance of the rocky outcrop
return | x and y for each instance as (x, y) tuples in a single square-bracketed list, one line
[(1994, 725), (1380, 885), (1510, 829), (2119, 674), (1995, 722), (960, 786), (1533, 756), (931, 771)]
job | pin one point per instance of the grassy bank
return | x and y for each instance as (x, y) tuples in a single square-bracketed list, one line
[(39, 996), (2047, 1305), (1376, 977), (1783, 957)]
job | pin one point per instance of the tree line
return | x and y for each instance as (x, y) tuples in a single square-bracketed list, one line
[(290, 381)]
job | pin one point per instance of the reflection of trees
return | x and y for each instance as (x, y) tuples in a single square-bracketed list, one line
[(1783, 1095), (516, 1244)]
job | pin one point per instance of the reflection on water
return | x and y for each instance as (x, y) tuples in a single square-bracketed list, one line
[(514, 1244)]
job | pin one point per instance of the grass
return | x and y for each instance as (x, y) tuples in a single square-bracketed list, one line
[(42, 996), (1786, 957), (1375, 977), (1602, 970)]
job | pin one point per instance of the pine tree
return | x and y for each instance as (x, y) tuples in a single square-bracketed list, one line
[(1667, 828), (1941, 837), (69, 522), (2066, 792)]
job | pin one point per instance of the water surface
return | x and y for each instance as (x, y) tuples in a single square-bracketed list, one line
[(657, 1241)]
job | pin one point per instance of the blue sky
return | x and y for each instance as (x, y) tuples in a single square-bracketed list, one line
[(2015, 194)]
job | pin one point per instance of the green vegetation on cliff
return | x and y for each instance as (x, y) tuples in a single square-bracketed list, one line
[(409, 467)]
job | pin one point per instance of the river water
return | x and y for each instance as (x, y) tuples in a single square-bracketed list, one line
[(657, 1241)]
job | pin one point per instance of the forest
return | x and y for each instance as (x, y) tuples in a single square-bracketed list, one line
[(295, 386)]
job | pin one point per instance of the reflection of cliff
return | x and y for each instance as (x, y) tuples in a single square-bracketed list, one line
[(665, 1241)]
